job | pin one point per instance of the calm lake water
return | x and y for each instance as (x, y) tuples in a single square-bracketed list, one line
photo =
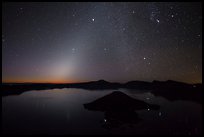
[(61, 111)]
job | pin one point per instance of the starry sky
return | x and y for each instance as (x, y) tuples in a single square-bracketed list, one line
[(63, 42)]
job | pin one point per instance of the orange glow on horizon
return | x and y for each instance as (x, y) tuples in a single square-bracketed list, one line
[(61, 81), (39, 81)]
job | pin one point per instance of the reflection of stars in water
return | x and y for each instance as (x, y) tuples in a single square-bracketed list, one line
[(105, 120)]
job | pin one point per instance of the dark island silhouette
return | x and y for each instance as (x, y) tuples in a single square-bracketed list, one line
[(118, 101), (171, 90), (119, 109)]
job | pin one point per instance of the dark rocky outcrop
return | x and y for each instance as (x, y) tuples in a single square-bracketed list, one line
[(119, 109), (118, 101)]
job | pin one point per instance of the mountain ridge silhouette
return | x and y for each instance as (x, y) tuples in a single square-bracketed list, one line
[(170, 89)]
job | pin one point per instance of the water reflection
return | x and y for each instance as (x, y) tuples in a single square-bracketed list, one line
[(116, 119), (61, 111)]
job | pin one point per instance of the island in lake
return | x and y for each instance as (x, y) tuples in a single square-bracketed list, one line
[(172, 90)]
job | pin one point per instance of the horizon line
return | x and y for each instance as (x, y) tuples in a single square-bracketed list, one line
[(94, 81)]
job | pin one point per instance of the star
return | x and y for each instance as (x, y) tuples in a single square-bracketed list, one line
[(73, 50), (105, 49), (126, 35)]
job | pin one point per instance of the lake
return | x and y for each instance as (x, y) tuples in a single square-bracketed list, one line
[(61, 111)]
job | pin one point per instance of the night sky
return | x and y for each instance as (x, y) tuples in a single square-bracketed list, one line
[(118, 42)]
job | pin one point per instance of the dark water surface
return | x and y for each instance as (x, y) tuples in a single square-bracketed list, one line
[(61, 111)]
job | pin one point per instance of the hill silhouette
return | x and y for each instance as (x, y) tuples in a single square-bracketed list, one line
[(118, 101), (119, 108), (171, 90)]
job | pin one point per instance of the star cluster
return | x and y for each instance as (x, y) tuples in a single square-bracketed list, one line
[(121, 41)]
